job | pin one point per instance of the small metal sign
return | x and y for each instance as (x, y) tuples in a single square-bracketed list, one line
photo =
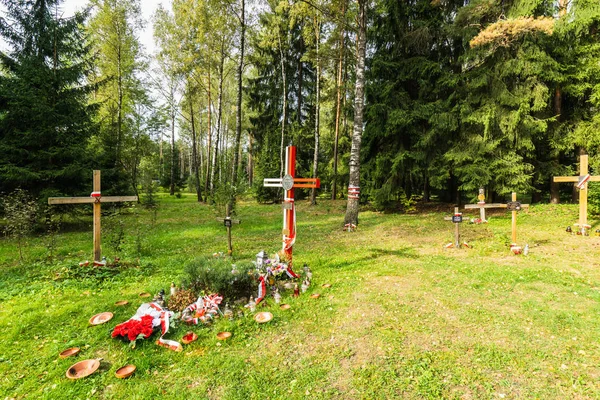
[(287, 182), (227, 222), (457, 219), (287, 205), (513, 206)]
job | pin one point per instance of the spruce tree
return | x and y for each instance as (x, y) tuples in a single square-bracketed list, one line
[(45, 119)]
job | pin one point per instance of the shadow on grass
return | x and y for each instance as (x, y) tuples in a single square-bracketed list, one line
[(374, 253)]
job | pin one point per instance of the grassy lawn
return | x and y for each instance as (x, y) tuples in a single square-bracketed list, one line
[(404, 317)]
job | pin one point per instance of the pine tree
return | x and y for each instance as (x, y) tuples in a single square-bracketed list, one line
[(45, 119)]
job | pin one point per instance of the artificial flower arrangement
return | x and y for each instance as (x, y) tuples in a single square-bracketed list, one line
[(147, 318), (204, 310)]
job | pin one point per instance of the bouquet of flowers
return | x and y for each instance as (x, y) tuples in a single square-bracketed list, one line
[(202, 310), (141, 326)]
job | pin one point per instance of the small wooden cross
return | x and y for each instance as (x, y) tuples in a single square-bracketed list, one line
[(482, 205), (456, 219), (227, 222), (96, 199), (512, 205), (582, 184), (289, 182)]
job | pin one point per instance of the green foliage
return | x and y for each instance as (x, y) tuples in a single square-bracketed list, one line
[(45, 120), (214, 275), (20, 212)]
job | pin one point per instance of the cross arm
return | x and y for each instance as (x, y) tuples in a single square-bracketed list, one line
[(487, 205), (272, 182), (90, 200), (233, 221), (307, 183), (567, 179)]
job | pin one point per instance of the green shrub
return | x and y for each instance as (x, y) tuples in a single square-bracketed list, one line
[(214, 275)]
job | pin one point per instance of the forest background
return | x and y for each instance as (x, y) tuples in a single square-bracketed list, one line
[(458, 95)]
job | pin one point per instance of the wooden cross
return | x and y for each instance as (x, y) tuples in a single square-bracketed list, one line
[(581, 184), (227, 222), (289, 182), (512, 205), (482, 205), (457, 219), (96, 199)]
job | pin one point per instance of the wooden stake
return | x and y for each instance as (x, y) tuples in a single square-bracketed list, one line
[(97, 215), (514, 220)]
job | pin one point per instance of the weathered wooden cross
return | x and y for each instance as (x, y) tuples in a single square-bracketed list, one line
[(512, 205), (456, 219), (96, 199), (289, 182), (227, 222), (482, 205), (581, 184)]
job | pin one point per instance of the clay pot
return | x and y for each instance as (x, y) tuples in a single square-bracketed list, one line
[(145, 294), (69, 352), (223, 335), (189, 338), (326, 285), (263, 317), (125, 372), (82, 369), (121, 303), (285, 306), (315, 295), (101, 318)]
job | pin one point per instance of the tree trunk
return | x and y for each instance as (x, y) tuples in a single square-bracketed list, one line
[(238, 123), (195, 154), (172, 186), (284, 111), (250, 163), (219, 115), (338, 108), (426, 190), (209, 144), (352, 206), (313, 193)]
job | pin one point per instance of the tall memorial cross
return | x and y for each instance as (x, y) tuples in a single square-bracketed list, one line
[(481, 205), (96, 199), (581, 182), (289, 182), (227, 222)]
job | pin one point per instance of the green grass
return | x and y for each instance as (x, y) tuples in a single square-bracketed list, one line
[(404, 318)]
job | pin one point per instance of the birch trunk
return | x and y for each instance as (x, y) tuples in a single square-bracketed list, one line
[(284, 117), (352, 206), (219, 114)]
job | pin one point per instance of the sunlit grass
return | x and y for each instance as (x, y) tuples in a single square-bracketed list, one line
[(404, 317)]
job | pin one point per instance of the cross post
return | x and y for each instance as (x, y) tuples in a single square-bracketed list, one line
[(581, 182), (227, 222), (289, 182), (96, 199), (456, 219)]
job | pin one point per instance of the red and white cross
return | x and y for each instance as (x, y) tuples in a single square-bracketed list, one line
[(289, 182)]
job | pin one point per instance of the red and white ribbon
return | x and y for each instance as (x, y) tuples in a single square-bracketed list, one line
[(262, 289), (95, 194), (353, 192), (202, 310), (583, 181)]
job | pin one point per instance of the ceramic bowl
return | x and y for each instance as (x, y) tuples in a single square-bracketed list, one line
[(69, 352), (326, 285), (189, 338), (285, 306), (121, 303), (82, 369), (263, 317), (125, 372), (223, 335), (315, 295), (101, 318), (145, 294)]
